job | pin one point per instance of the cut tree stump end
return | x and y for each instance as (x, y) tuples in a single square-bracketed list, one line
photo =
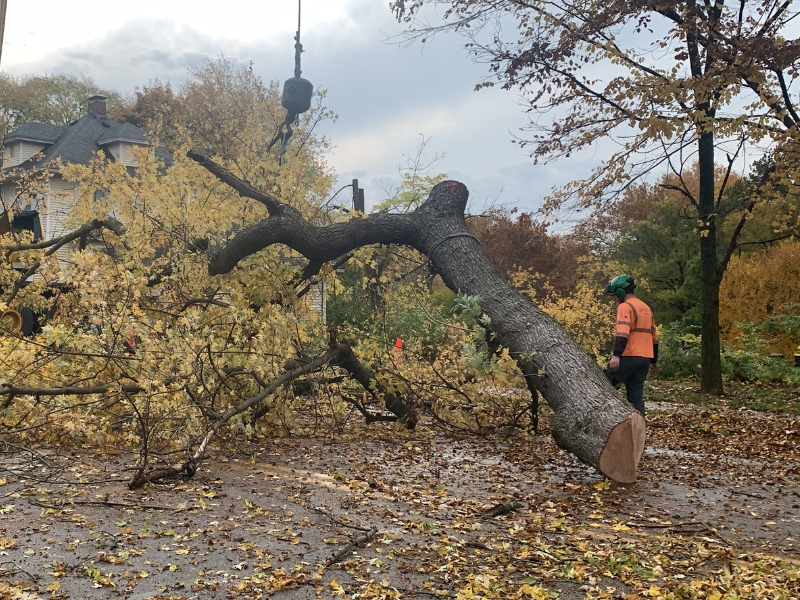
[(623, 449)]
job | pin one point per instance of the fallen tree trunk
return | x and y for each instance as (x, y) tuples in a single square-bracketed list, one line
[(591, 420)]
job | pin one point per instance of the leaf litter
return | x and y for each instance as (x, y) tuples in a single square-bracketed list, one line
[(380, 512)]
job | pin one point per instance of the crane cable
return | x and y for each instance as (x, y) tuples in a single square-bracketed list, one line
[(285, 131)]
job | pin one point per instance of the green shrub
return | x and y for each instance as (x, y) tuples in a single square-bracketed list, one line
[(679, 350), (748, 360)]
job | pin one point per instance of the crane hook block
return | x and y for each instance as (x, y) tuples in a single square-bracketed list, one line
[(297, 95)]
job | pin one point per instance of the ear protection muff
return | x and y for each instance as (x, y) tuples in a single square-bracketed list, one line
[(620, 292)]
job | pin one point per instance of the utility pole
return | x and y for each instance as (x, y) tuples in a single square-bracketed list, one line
[(2, 24), (358, 197)]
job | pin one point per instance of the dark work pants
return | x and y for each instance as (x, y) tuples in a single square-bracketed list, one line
[(632, 372)]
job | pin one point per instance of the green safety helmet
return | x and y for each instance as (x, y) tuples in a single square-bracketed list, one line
[(620, 286)]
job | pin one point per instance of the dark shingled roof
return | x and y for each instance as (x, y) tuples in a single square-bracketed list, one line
[(81, 139), (35, 132), (127, 132)]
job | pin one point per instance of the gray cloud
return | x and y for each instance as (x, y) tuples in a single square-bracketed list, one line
[(386, 96)]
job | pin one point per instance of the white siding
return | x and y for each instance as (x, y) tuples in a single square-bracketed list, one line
[(316, 301), (55, 210), (28, 149), (114, 149), (126, 155), (60, 185), (123, 153), (9, 192), (17, 153)]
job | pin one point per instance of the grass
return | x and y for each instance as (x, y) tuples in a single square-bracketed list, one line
[(765, 396)]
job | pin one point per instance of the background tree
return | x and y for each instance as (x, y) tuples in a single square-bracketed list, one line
[(54, 99), (156, 109), (669, 82), (525, 244), (759, 287)]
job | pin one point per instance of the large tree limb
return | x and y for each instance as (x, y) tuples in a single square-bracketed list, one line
[(56, 243), (11, 391), (587, 409), (345, 358), (68, 390)]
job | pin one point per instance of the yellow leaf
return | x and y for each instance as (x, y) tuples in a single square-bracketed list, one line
[(336, 587), (54, 587), (534, 591)]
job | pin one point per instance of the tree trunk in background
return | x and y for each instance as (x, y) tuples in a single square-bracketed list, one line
[(710, 361)]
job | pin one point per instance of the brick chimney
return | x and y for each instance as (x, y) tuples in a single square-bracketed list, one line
[(97, 106)]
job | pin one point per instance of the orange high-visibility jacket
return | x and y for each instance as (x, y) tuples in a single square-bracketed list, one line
[(635, 322)]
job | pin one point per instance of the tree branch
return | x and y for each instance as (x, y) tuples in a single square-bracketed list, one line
[(56, 243), (243, 187), (319, 244), (734, 243)]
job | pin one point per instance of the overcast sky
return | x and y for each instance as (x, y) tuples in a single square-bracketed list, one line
[(388, 97)]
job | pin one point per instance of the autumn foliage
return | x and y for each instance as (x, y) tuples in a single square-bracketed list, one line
[(761, 287)]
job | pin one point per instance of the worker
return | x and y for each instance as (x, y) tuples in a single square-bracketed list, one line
[(635, 350)]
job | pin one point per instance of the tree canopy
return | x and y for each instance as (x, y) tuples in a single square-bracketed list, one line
[(55, 99), (669, 83)]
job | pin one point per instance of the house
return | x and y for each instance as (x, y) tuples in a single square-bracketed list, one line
[(35, 146)]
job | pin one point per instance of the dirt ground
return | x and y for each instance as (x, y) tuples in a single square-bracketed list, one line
[(717, 502)]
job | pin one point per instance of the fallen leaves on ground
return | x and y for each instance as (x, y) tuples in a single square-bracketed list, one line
[(714, 515)]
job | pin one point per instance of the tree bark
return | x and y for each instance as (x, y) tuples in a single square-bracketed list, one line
[(586, 407), (347, 359), (710, 361)]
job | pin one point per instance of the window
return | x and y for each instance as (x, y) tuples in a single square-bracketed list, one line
[(28, 220)]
